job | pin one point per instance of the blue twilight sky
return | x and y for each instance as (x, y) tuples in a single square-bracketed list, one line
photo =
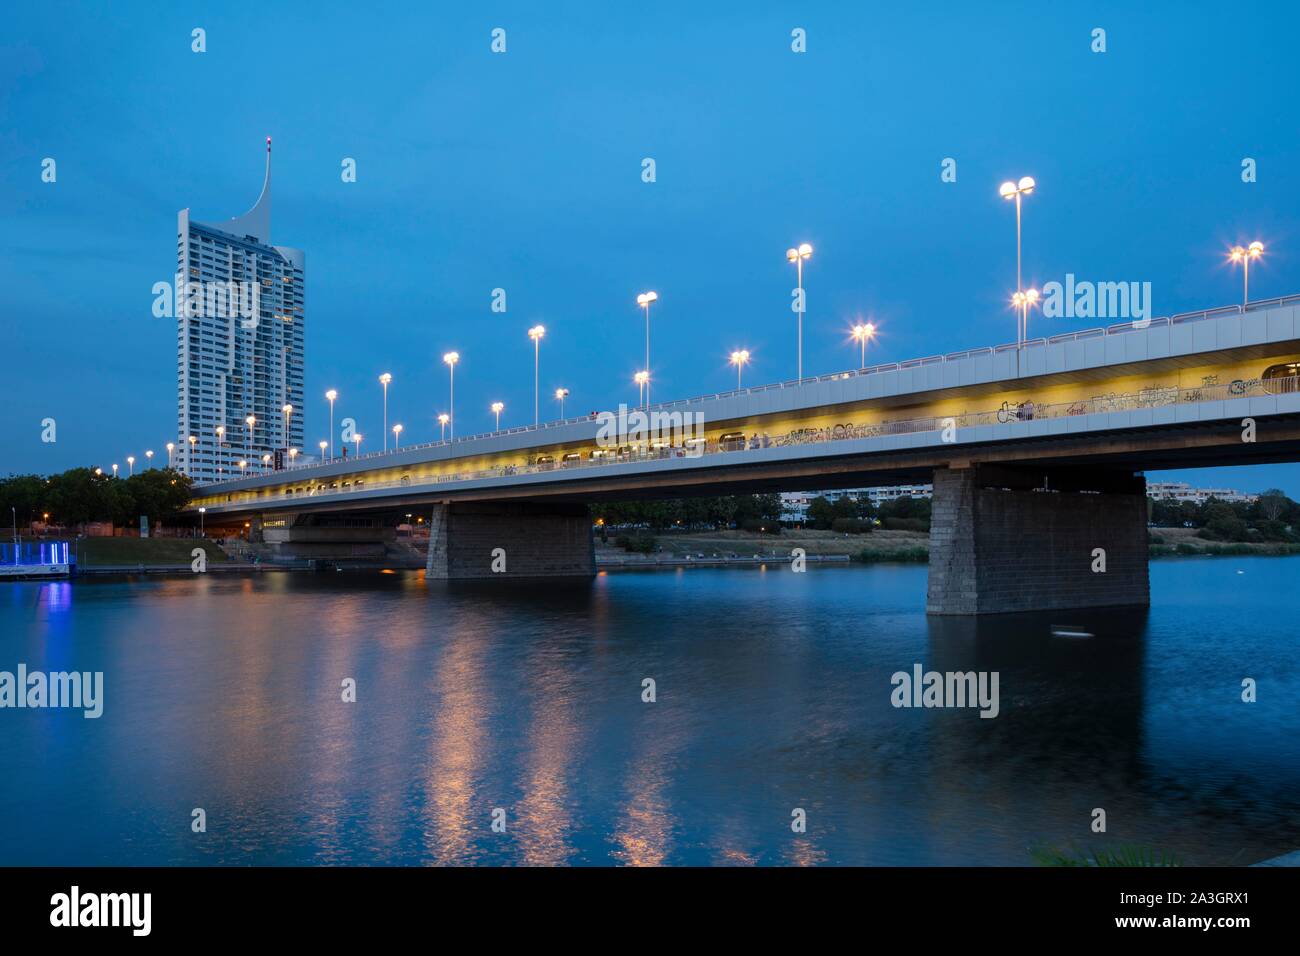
[(523, 171)]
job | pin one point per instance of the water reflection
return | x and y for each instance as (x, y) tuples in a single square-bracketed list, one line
[(773, 693)]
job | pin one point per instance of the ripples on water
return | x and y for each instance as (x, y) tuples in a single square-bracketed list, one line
[(773, 693)]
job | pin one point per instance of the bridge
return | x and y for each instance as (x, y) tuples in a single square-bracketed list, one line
[(1036, 455)]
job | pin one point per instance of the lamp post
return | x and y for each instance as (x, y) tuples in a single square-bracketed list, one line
[(130, 465), (1009, 190), (148, 457), (266, 464), (443, 419), (293, 454), (288, 414), (536, 333), (739, 359), (560, 395), (221, 440), (331, 395), (797, 256), (114, 469), (323, 446), (384, 380), (642, 380), (171, 446), (194, 440), (497, 408), (202, 512), (250, 421), (242, 465), (863, 332), (1024, 301), (397, 436), (644, 300), (1238, 254), (451, 358), (357, 439)]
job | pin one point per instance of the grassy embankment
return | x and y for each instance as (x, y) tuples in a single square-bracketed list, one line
[(109, 552), (1174, 542), (877, 546), (899, 545)]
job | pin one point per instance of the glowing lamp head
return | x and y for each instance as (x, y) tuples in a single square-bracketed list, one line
[(1026, 184), (444, 418), (287, 409), (331, 395), (1256, 249), (1007, 190), (170, 446), (497, 407), (250, 421), (537, 332), (561, 393), (641, 377), (805, 250), (645, 298), (385, 378), (324, 445), (130, 459), (451, 358)]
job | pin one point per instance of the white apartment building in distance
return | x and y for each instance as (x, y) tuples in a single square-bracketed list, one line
[(239, 344), (794, 504), (1182, 491)]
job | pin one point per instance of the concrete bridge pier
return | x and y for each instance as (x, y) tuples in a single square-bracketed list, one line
[(1033, 539), (499, 540)]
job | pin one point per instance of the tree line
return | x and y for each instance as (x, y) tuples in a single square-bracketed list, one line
[(1273, 517), (80, 495)]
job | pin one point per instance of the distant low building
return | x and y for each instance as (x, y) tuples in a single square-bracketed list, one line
[(794, 504), (1182, 491)]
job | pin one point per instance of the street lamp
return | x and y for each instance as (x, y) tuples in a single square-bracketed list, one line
[(862, 332), (642, 380), (148, 457), (1009, 191), (202, 512), (497, 408), (644, 300), (114, 469), (293, 454), (560, 395), (193, 439), (397, 436), (171, 446), (1238, 254), (357, 439), (266, 463), (250, 421), (443, 419), (331, 395), (1024, 301), (384, 380), (739, 359), (242, 465), (536, 333), (288, 414), (130, 464), (797, 256), (451, 358), (221, 440), (323, 445)]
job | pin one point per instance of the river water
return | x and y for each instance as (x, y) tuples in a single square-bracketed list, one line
[(773, 694)]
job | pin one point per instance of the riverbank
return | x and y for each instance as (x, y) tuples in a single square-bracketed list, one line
[(704, 548)]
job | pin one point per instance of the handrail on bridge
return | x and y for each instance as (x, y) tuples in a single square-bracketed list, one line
[(1117, 329), (1147, 398)]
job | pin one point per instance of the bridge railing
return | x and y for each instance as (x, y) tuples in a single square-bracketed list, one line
[(1007, 414), (1118, 329)]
